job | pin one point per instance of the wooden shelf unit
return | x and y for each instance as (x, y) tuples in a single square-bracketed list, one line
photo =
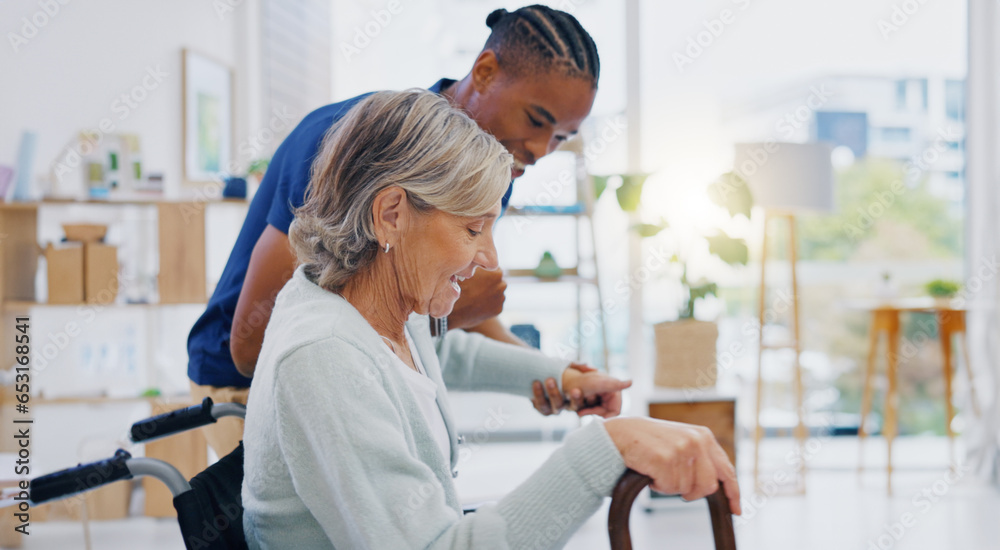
[(181, 241)]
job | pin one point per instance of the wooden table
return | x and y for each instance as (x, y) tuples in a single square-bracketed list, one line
[(950, 318)]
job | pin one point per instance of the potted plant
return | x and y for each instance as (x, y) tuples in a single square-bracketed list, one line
[(942, 290), (685, 347)]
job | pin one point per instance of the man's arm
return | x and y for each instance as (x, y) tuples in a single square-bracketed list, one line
[(493, 328), (271, 265)]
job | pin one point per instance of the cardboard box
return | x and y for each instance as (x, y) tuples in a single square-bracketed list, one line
[(65, 273), (100, 273)]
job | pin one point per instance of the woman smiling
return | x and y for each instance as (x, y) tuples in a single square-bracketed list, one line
[(349, 440)]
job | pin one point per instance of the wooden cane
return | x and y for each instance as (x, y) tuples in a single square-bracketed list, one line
[(629, 487)]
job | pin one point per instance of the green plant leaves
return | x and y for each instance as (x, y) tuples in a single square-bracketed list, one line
[(731, 192), (702, 290), (650, 229), (730, 250), (630, 191), (942, 288), (696, 291), (258, 167), (600, 184)]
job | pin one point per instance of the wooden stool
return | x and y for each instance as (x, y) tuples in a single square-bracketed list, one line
[(883, 320), (951, 322)]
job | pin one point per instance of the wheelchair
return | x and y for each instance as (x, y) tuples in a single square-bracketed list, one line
[(210, 505)]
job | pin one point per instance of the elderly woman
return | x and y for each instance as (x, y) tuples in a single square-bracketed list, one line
[(349, 439)]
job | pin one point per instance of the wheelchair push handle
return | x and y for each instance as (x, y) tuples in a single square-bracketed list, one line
[(80, 478), (174, 421), (184, 419)]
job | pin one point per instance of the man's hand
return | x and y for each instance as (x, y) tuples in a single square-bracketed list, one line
[(481, 299), (585, 391), (592, 392)]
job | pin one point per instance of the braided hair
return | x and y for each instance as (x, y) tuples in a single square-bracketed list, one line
[(538, 39)]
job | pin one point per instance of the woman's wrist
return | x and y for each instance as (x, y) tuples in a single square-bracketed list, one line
[(617, 428)]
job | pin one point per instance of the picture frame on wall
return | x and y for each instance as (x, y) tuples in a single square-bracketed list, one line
[(207, 106)]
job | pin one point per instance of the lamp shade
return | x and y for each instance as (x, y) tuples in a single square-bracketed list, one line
[(787, 176)]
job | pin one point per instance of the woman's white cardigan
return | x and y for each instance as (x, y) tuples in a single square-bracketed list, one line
[(338, 454)]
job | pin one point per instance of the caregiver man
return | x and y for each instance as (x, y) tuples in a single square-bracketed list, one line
[(532, 86)]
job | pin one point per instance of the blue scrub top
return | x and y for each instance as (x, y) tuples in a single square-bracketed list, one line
[(282, 190)]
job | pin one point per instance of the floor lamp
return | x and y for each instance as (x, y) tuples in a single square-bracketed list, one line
[(784, 178)]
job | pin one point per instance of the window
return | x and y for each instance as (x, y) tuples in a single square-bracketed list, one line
[(847, 129), (894, 135), (905, 99), (954, 99), (901, 86)]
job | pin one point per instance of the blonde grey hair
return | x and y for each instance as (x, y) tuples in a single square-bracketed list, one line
[(412, 139)]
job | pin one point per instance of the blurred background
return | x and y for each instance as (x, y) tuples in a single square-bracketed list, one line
[(651, 220)]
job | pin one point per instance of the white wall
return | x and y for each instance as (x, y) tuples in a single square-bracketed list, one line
[(67, 76), (64, 80)]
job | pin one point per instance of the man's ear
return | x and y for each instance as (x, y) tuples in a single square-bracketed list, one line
[(389, 212), (485, 70)]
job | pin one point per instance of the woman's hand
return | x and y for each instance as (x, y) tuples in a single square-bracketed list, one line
[(681, 458)]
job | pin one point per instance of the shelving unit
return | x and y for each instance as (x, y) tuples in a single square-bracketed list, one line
[(181, 241), (580, 212), (181, 281)]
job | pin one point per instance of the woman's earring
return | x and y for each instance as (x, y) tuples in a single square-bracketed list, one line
[(386, 247)]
